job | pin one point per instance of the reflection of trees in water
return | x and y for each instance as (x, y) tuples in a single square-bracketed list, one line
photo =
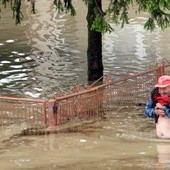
[(132, 48), (53, 39), (59, 42)]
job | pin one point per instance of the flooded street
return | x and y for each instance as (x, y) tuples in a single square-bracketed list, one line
[(121, 141), (46, 54)]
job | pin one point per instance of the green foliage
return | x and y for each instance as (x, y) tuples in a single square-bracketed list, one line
[(4, 2), (16, 8), (67, 5), (96, 18), (33, 7), (17, 14), (150, 24), (59, 5), (159, 13), (101, 25), (117, 12)]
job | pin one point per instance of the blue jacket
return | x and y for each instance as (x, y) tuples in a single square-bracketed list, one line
[(150, 107)]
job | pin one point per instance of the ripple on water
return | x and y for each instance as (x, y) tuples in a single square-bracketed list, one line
[(10, 41)]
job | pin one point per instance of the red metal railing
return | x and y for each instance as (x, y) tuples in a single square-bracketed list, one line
[(19, 111), (81, 102), (130, 90)]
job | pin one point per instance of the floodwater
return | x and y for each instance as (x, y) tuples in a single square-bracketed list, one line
[(124, 140), (47, 54)]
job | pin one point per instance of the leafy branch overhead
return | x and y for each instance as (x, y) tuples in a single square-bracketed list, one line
[(65, 5), (117, 12), (15, 6), (159, 11)]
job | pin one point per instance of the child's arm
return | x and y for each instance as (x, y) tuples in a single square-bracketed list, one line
[(167, 111), (149, 109)]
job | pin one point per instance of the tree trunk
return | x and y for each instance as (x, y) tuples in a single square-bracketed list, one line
[(94, 50)]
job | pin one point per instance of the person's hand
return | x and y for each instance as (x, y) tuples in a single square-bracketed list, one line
[(159, 110)]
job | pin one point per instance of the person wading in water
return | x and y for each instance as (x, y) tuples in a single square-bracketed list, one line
[(158, 106)]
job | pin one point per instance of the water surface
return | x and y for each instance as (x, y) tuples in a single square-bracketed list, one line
[(47, 54), (124, 140)]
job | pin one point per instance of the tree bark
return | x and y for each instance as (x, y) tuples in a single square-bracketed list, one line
[(94, 50)]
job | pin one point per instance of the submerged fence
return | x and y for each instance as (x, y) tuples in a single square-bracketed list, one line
[(81, 102), (128, 91), (23, 112)]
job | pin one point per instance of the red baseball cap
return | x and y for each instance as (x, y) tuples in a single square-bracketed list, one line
[(163, 81)]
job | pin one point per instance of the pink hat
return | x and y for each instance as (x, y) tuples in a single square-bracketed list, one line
[(163, 81)]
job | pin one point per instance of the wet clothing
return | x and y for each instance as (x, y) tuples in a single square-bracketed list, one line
[(151, 103)]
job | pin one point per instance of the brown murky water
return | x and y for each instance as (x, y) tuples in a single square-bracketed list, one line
[(124, 140), (47, 53)]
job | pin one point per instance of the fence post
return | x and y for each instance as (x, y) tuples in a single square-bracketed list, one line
[(161, 71), (52, 113), (44, 113)]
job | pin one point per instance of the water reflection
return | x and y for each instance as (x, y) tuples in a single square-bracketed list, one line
[(53, 40), (47, 53), (133, 49)]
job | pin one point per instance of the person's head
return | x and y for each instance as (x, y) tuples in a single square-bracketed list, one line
[(163, 85)]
